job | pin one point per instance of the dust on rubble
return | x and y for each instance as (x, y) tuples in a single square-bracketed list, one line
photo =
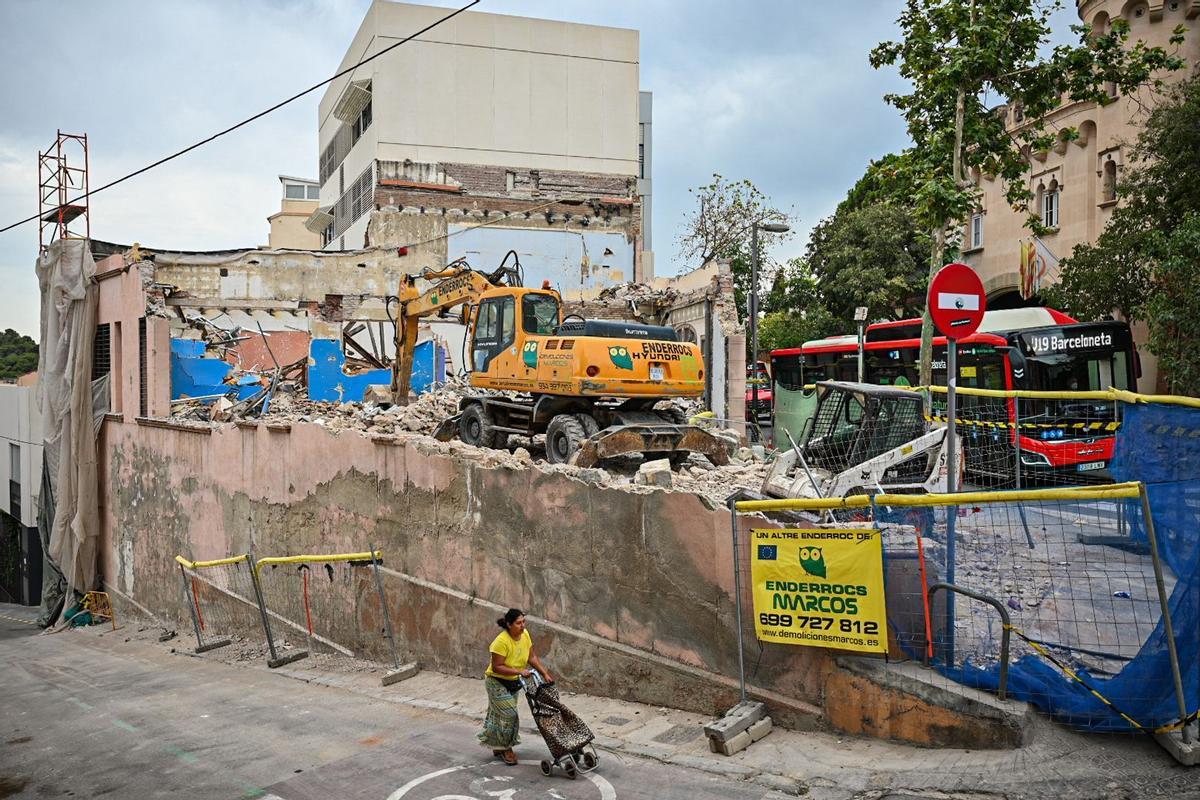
[(420, 418)]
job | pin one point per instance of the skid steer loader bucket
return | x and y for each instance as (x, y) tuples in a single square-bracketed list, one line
[(651, 438)]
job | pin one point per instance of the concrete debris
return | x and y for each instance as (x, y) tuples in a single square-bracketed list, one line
[(654, 473), (639, 294), (288, 405)]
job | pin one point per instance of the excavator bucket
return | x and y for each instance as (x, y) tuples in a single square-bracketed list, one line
[(650, 438), (447, 429)]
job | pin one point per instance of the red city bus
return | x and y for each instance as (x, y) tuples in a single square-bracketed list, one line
[(1036, 349)]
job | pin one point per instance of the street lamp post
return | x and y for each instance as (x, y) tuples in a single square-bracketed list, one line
[(769, 227), (860, 316)]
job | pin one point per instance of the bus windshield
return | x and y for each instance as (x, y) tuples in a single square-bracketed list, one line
[(1080, 373)]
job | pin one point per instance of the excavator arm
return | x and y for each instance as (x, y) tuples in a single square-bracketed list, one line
[(455, 285)]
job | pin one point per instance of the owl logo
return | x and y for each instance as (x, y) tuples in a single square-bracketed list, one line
[(813, 561), (529, 354), (620, 357), (691, 369)]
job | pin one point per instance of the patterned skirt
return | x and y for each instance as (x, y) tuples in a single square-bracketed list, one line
[(501, 730)]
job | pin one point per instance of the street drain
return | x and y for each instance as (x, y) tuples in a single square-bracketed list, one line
[(679, 734)]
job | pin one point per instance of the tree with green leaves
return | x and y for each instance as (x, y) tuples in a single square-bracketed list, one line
[(720, 228), (1146, 263), (873, 256), (18, 355), (960, 54)]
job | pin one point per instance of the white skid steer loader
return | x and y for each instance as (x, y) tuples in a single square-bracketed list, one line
[(862, 439)]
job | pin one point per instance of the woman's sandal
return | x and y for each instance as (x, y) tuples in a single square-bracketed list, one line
[(510, 758)]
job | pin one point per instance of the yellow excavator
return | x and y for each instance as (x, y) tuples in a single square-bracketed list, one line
[(589, 385)]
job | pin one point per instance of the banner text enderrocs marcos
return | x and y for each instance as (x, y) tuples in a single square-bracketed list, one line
[(822, 588)]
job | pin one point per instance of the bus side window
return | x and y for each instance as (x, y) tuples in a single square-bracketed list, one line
[(1120, 370)]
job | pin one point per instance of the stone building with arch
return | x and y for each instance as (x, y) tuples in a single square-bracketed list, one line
[(1074, 183)]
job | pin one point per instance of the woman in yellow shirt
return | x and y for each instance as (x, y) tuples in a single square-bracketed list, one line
[(511, 655)]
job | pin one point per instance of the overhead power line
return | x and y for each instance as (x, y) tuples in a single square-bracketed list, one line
[(257, 116)]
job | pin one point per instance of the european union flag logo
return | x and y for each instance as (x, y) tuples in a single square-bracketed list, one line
[(768, 552)]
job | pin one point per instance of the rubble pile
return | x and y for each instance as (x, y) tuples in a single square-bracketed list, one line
[(421, 417), (639, 294), (698, 476)]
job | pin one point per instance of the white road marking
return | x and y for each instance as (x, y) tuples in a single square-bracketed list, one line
[(607, 792)]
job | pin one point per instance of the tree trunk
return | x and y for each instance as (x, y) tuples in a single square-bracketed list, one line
[(939, 236), (935, 263)]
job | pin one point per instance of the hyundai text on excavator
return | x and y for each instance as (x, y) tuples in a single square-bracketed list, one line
[(589, 385)]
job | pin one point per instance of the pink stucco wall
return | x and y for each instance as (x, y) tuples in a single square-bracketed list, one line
[(647, 571)]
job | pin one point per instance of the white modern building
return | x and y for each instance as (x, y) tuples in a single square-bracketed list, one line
[(533, 126), (21, 473)]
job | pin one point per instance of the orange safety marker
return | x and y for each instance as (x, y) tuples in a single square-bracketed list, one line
[(925, 597)]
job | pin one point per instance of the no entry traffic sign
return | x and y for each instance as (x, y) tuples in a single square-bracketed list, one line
[(956, 301)]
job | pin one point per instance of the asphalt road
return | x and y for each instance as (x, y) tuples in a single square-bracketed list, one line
[(87, 716)]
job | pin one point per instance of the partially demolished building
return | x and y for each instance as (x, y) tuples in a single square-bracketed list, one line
[(632, 583)]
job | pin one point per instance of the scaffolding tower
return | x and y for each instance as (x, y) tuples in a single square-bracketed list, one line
[(62, 190)]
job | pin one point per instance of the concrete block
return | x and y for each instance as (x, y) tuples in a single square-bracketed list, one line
[(655, 473), (759, 452), (714, 744), (1186, 753), (287, 658), (736, 744), (759, 729), (401, 673), (736, 720), (379, 395)]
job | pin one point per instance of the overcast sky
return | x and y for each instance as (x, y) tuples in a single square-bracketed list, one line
[(779, 92)]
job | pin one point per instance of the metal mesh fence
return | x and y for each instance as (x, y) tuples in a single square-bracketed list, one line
[(328, 603), (1032, 439), (1068, 576), (860, 439), (220, 599)]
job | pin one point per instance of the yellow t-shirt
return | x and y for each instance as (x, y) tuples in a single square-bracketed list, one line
[(515, 652)]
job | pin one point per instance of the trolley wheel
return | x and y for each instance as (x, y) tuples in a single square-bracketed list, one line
[(589, 760), (545, 767), (569, 768)]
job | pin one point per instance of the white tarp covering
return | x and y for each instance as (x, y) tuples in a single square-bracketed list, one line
[(69, 298)]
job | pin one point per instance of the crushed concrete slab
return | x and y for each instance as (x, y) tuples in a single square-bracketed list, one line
[(654, 473)]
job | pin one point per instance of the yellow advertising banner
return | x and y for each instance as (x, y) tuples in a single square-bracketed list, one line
[(820, 587)]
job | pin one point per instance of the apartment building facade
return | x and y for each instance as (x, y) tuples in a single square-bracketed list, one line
[(496, 133)]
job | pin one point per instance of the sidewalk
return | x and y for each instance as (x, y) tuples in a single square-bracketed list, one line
[(1057, 764)]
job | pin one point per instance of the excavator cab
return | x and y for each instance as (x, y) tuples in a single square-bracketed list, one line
[(502, 322)]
